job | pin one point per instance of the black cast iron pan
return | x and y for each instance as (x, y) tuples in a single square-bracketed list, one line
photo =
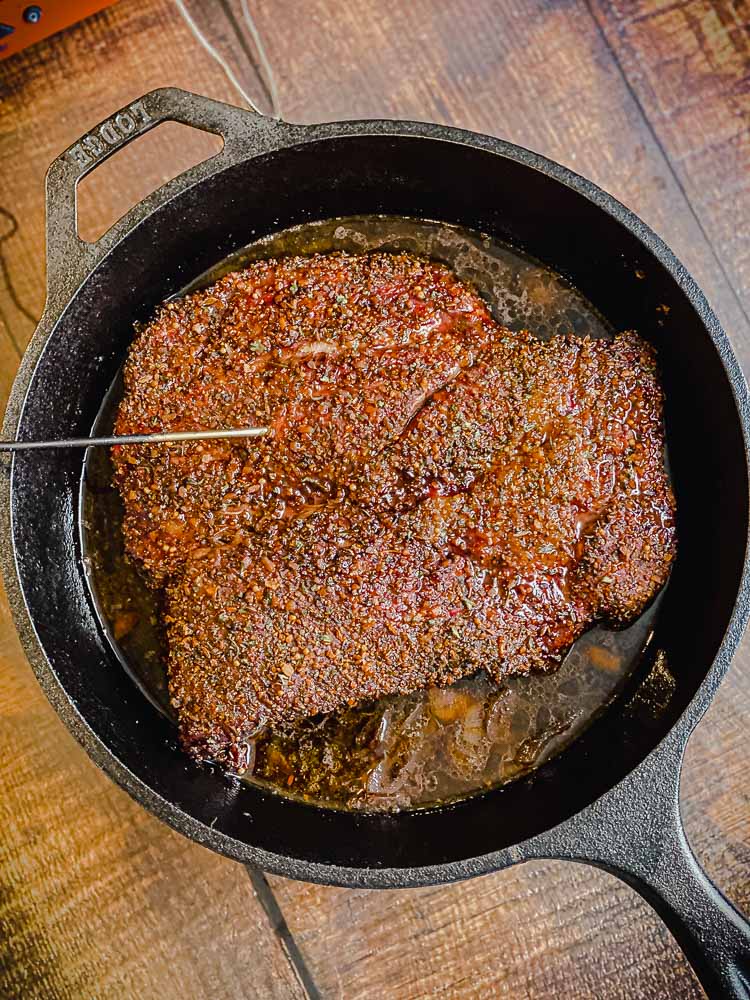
[(611, 799)]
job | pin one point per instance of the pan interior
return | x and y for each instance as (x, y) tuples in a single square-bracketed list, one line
[(430, 747), (420, 171)]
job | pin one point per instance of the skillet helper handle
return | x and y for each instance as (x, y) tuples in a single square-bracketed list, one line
[(636, 833), (69, 258)]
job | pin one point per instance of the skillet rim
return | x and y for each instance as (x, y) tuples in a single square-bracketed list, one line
[(282, 136)]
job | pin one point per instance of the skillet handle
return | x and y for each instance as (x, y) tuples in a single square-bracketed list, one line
[(636, 833), (711, 932), (69, 258)]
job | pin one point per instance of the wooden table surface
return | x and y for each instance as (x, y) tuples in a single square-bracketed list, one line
[(650, 99)]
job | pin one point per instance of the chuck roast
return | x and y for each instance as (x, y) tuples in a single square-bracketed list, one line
[(438, 494)]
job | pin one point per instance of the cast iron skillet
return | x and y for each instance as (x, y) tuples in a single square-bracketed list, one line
[(611, 799)]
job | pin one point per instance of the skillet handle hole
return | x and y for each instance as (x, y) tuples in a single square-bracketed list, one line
[(136, 170)]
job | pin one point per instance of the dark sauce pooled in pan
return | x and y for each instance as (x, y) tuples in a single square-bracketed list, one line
[(430, 746)]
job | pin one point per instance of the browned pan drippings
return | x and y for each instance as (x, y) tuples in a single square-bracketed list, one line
[(414, 749)]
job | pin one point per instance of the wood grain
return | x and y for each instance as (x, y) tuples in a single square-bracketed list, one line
[(535, 72), (540, 931), (96, 898), (688, 64)]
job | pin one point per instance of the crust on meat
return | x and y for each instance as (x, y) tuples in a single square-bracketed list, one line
[(439, 495)]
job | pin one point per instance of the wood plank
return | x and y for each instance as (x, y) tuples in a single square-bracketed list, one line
[(96, 897), (17, 321), (535, 72), (541, 930), (688, 63)]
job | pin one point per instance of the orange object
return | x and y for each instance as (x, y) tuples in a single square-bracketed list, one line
[(23, 24)]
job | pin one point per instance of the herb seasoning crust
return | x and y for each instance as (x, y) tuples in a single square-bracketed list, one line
[(438, 494)]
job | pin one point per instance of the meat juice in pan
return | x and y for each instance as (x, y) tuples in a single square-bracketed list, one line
[(428, 747)]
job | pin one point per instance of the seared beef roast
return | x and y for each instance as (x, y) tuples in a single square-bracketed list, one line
[(438, 494)]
